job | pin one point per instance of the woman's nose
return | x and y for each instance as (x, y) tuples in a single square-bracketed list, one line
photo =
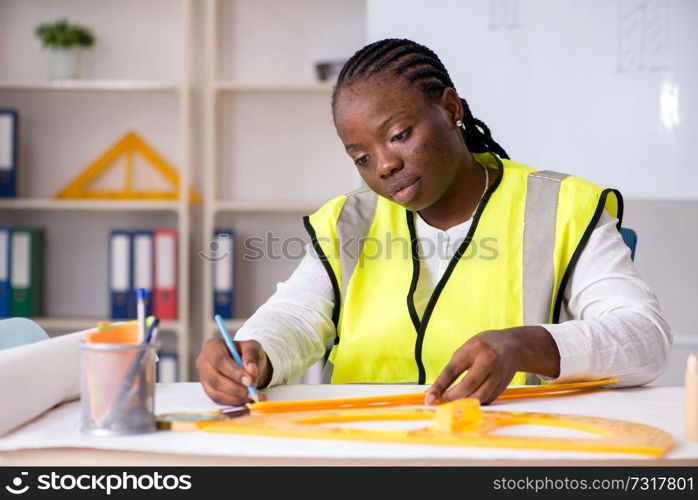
[(389, 164)]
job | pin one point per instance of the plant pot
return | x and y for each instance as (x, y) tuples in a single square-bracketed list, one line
[(63, 64)]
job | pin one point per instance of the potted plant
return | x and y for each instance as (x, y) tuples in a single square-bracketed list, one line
[(64, 43)]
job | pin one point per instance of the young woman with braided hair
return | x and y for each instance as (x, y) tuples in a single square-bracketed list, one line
[(530, 278)]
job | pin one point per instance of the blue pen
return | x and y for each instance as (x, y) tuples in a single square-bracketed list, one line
[(234, 352)]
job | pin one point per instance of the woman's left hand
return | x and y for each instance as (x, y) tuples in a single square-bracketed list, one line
[(492, 358)]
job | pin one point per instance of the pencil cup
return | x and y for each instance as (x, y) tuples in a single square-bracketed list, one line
[(117, 388)]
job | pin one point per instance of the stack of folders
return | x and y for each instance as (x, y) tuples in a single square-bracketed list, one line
[(21, 272), (8, 153), (222, 258), (143, 259)]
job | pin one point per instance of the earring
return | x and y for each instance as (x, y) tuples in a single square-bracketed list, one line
[(460, 124)]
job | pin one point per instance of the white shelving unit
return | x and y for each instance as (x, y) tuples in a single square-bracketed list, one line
[(93, 85), (268, 133), (223, 86), (265, 206), (269, 151), (40, 209), (100, 205), (77, 324)]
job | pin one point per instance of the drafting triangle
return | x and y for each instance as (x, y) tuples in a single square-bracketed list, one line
[(129, 145)]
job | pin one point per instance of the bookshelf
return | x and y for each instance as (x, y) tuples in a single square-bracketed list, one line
[(271, 154), (62, 129), (246, 120)]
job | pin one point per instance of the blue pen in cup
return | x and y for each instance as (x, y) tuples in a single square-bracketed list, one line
[(234, 353)]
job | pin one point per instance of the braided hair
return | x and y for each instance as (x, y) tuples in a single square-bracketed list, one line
[(414, 63)]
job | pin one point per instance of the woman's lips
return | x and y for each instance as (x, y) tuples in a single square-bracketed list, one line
[(406, 194)]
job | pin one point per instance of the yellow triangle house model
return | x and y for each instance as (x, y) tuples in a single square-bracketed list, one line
[(128, 145)]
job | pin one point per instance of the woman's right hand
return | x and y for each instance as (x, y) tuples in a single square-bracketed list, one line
[(223, 380)]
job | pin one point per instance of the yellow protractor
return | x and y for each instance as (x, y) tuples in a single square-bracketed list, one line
[(459, 423)]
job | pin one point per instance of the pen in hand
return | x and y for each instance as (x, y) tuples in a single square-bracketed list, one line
[(234, 353)]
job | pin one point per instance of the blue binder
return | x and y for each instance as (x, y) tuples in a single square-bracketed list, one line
[(120, 275), (143, 272), (8, 153), (222, 259), (5, 255)]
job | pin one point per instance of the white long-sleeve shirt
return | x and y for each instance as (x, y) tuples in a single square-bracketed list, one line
[(610, 322)]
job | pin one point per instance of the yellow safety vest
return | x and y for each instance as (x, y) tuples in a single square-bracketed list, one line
[(510, 270)]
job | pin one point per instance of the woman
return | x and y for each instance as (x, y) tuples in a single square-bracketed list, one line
[(530, 275)]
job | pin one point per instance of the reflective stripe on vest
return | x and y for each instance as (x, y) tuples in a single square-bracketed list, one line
[(542, 193), (510, 271)]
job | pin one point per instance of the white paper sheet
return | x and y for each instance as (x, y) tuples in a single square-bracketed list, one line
[(35, 377)]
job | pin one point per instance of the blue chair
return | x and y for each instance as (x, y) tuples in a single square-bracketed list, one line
[(19, 331), (630, 239)]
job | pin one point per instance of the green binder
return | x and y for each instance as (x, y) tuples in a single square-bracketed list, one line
[(27, 272)]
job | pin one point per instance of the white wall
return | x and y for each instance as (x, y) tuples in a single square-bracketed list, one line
[(666, 259), (603, 89)]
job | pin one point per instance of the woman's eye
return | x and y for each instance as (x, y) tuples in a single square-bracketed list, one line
[(361, 161), (401, 136)]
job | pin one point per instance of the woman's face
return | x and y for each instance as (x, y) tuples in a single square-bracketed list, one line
[(406, 147)]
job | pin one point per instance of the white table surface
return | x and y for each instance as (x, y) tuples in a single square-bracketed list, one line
[(54, 437)]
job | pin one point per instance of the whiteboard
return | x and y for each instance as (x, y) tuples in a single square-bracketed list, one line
[(603, 89)]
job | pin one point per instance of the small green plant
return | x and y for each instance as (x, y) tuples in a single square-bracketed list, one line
[(61, 34)]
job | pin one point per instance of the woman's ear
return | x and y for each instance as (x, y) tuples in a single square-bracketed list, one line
[(452, 104)]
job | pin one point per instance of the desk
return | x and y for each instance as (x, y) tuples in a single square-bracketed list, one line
[(54, 438)]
